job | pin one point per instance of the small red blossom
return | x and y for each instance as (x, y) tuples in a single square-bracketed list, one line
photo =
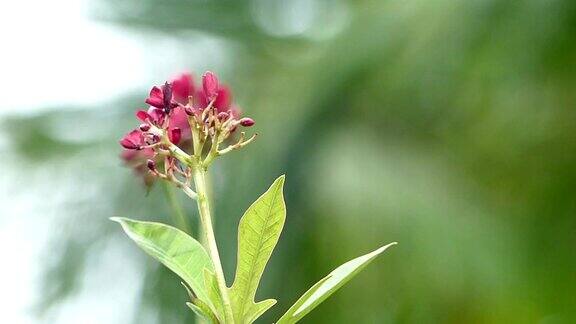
[(133, 140), (161, 98)]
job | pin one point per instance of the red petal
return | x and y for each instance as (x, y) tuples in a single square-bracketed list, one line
[(224, 99), (175, 135), (156, 98), (132, 140), (179, 119), (154, 102), (142, 115), (210, 84), (182, 88), (155, 92), (200, 101)]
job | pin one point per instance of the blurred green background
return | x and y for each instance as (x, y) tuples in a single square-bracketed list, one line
[(447, 125)]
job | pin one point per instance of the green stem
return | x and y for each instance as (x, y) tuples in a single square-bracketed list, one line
[(180, 218), (206, 220)]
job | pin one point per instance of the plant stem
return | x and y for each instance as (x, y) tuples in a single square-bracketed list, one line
[(206, 220), (180, 218)]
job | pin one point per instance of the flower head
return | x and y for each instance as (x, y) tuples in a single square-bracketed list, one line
[(179, 113)]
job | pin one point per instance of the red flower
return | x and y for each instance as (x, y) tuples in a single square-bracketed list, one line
[(133, 140), (161, 98), (153, 115), (170, 114)]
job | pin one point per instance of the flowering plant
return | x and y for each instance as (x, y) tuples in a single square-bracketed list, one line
[(182, 132)]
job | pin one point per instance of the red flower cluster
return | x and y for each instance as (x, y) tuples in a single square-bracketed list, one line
[(176, 109)]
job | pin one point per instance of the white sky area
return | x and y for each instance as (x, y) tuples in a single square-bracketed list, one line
[(54, 55)]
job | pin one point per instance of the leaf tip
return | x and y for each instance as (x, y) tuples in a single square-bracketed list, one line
[(117, 219), (271, 302), (280, 180), (383, 248)]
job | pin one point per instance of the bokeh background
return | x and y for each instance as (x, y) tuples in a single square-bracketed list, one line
[(447, 125)]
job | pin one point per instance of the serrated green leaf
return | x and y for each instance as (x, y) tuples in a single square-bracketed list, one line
[(258, 233), (173, 248), (327, 286)]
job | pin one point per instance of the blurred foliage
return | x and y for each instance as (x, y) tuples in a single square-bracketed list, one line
[(448, 126)]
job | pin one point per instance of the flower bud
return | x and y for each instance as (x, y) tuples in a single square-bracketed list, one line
[(167, 95), (210, 85), (223, 116), (189, 111), (247, 122), (144, 127), (175, 134), (151, 165), (142, 115)]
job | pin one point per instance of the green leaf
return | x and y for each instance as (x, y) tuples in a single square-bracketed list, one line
[(327, 286), (213, 292), (173, 248), (258, 233), (258, 309), (199, 307), (203, 310)]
